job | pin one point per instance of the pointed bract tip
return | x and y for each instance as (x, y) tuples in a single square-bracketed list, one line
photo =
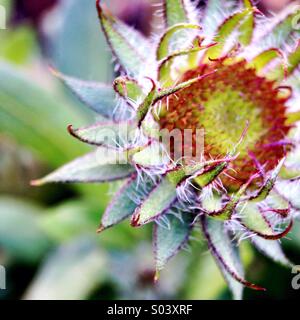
[(100, 229), (258, 288), (74, 133), (258, 12), (54, 71), (277, 170), (281, 162), (102, 10), (36, 183), (99, 9), (98, 6), (156, 276), (253, 286), (135, 221), (152, 82), (296, 268), (71, 131)]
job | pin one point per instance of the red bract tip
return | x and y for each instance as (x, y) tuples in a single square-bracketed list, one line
[(53, 70), (35, 183), (258, 12), (70, 129), (152, 81), (284, 213), (100, 229), (98, 6), (274, 236), (156, 276), (135, 220)]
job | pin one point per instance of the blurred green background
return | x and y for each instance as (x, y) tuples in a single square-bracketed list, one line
[(48, 240)]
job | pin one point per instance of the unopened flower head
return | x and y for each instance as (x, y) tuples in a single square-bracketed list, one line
[(202, 126)]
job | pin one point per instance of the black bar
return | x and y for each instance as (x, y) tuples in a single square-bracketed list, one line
[(150, 309)]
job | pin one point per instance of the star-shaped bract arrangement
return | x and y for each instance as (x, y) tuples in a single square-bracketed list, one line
[(229, 72)]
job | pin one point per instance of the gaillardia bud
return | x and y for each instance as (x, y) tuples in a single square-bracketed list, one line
[(202, 125)]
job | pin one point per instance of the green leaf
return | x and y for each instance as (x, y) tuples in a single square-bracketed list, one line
[(169, 91), (100, 165), (247, 27), (226, 256), (225, 31), (293, 62), (144, 107), (276, 202), (122, 205), (268, 185), (226, 212), (213, 9), (292, 118), (272, 249), (119, 39), (157, 203), (169, 240), (152, 155), (216, 167), (129, 89), (248, 4), (61, 275), (206, 177), (177, 176), (109, 134), (175, 12), (289, 190), (252, 218), (101, 98), (282, 31), (212, 203), (258, 223), (178, 12), (218, 9), (20, 234), (266, 57), (35, 118), (164, 44), (294, 59), (287, 172), (134, 37), (165, 67)]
